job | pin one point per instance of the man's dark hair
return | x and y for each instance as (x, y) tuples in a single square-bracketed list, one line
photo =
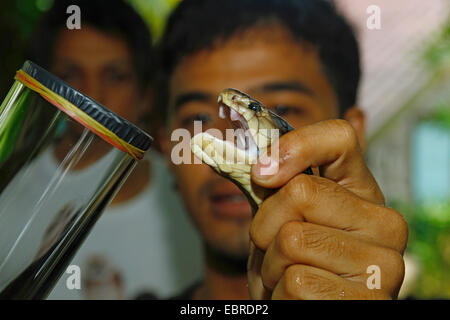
[(111, 17), (199, 24)]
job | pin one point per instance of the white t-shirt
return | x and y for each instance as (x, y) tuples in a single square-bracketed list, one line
[(145, 244)]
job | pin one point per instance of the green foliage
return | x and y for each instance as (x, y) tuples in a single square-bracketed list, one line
[(429, 243), (438, 53), (18, 19), (441, 115), (155, 13)]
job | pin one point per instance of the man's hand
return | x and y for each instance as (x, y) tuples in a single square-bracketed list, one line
[(316, 236)]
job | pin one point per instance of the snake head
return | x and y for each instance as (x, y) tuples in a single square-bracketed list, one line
[(239, 103), (254, 129), (253, 112), (249, 115)]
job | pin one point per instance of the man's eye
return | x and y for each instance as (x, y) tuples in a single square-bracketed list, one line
[(189, 121), (113, 76), (283, 110), (68, 76)]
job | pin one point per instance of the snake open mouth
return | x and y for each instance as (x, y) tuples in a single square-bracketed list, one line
[(242, 136), (236, 119)]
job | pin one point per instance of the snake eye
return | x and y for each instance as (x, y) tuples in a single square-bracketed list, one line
[(254, 106)]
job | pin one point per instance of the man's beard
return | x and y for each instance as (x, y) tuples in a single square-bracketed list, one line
[(228, 252), (224, 260), (232, 252)]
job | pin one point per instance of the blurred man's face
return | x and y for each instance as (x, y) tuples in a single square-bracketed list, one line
[(100, 65), (270, 66)]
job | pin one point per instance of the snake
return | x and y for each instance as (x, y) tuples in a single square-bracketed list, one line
[(255, 130)]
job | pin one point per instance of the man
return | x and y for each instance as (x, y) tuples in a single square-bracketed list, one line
[(316, 237), (110, 59)]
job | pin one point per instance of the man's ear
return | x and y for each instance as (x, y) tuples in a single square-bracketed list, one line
[(357, 119)]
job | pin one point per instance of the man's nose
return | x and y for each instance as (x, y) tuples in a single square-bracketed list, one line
[(94, 89)]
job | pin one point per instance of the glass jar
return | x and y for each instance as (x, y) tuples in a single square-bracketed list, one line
[(63, 157)]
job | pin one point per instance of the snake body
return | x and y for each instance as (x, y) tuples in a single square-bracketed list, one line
[(262, 127)]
